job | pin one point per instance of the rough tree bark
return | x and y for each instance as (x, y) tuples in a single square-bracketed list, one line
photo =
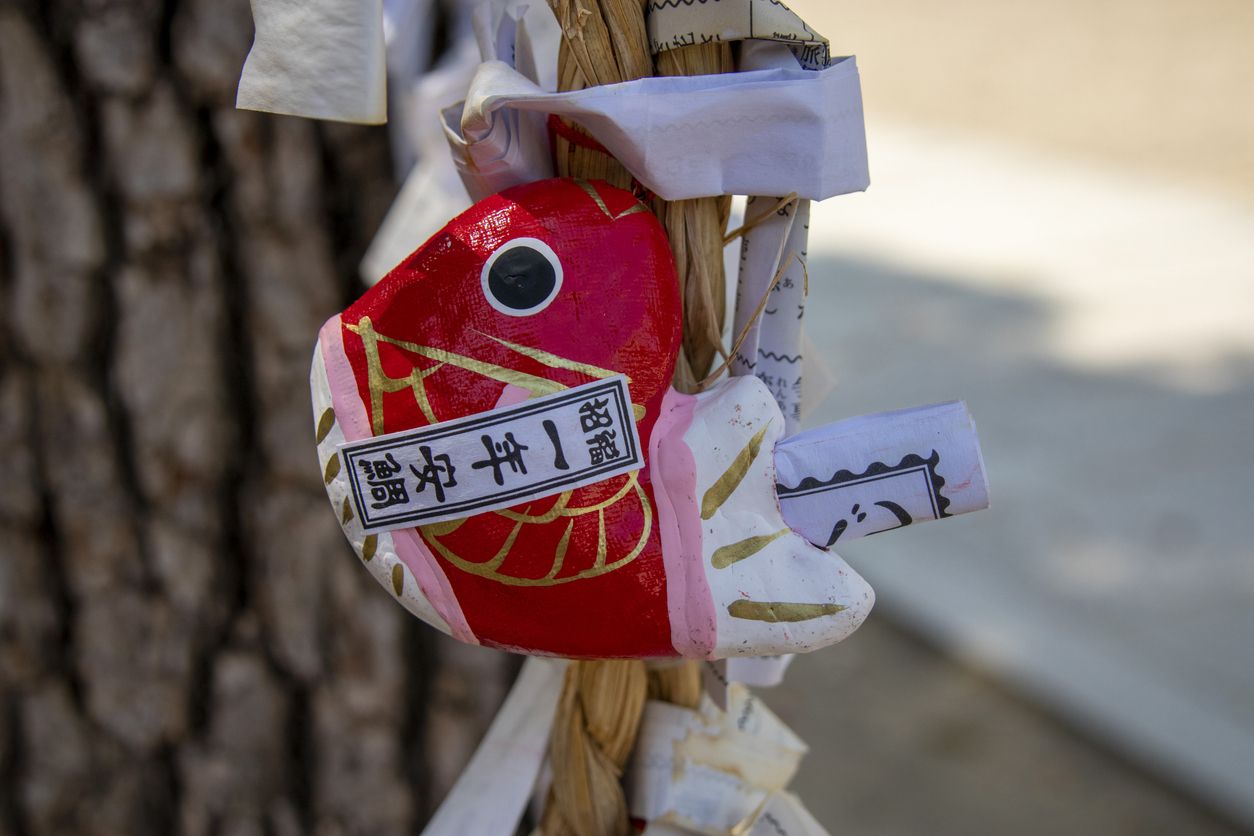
[(185, 643)]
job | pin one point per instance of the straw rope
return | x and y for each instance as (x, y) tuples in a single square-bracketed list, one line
[(604, 42)]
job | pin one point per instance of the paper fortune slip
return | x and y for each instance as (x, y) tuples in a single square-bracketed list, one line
[(495, 459), (880, 472)]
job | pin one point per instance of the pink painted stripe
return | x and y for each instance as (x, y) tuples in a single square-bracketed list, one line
[(350, 412), (351, 415), (432, 581), (694, 627), (512, 395)]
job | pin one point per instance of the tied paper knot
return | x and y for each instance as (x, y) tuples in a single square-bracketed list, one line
[(717, 773)]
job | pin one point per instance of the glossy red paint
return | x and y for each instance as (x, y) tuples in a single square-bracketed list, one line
[(617, 309)]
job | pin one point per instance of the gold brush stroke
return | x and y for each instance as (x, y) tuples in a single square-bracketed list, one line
[(346, 512), (398, 578), (442, 528), (325, 423), (726, 484), (380, 383), (562, 509), (559, 554), (601, 547), (489, 569), (499, 558), (631, 482), (368, 547), (600, 202), (533, 384), (538, 519), (725, 556), (333, 468), (775, 612), (553, 361)]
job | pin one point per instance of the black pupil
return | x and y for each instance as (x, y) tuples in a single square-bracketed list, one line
[(521, 278)]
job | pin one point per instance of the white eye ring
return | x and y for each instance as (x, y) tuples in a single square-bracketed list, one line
[(517, 283)]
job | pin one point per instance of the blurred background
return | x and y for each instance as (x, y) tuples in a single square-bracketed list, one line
[(1060, 230)]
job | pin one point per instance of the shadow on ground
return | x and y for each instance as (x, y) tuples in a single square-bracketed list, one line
[(1116, 528)]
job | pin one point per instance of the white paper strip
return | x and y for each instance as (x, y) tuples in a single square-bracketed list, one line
[(771, 350), (718, 675), (431, 197), (759, 671), (433, 193), (494, 459), (879, 472), (710, 771), (323, 59), (491, 794), (763, 132), (784, 815)]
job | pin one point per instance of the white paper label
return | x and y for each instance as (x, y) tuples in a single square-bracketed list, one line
[(880, 472), (494, 459)]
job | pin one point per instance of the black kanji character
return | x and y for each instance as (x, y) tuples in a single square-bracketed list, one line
[(559, 456), (386, 488), (438, 476), (507, 452), (594, 415), (601, 447), (384, 468)]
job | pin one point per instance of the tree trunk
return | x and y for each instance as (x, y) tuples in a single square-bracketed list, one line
[(186, 645)]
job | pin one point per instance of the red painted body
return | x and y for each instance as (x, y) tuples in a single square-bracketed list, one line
[(617, 309)]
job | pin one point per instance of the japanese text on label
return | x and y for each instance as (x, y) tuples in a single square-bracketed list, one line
[(495, 459)]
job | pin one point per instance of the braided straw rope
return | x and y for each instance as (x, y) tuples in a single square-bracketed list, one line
[(598, 715)]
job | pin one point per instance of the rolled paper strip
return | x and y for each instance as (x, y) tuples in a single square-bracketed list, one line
[(772, 349), (880, 472)]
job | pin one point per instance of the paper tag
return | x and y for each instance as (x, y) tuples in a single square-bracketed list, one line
[(707, 771), (494, 459), (880, 472), (491, 793), (672, 25), (772, 349)]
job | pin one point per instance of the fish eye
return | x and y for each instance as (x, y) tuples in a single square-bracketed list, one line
[(521, 277)]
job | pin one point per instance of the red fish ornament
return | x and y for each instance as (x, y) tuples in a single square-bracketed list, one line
[(533, 292)]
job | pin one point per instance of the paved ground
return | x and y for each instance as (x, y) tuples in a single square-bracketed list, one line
[(907, 742), (1157, 86), (1060, 230)]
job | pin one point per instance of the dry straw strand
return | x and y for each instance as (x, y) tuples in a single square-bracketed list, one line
[(605, 42)]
